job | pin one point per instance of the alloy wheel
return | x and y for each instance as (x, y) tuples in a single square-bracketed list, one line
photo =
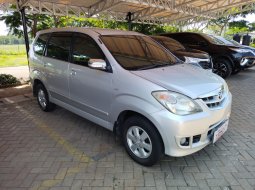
[(139, 142), (42, 98)]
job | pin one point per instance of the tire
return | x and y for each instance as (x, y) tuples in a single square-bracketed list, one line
[(222, 67), (43, 98), (138, 131)]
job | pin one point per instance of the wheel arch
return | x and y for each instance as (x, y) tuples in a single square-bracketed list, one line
[(224, 57), (124, 115), (35, 83)]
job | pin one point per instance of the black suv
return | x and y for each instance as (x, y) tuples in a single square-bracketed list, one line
[(188, 55), (227, 59)]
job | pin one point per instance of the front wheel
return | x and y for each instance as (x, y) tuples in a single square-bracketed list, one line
[(222, 67), (142, 141)]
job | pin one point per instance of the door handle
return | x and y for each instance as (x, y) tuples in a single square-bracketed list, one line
[(74, 72)]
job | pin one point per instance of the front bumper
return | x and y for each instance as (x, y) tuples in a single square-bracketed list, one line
[(198, 128)]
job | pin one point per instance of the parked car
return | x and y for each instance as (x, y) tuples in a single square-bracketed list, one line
[(129, 84), (227, 59), (191, 56)]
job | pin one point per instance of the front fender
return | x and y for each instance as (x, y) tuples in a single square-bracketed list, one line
[(133, 103), (145, 108)]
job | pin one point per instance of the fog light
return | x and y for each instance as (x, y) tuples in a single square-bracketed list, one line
[(244, 61), (184, 141)]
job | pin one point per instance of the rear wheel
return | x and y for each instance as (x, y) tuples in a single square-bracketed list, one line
[(222, 67), (142, 141), (43, 98)]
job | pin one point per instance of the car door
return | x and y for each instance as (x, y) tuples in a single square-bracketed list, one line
[(90, 89), (56, 63)]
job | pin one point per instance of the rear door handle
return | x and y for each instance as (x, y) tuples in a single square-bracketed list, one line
[(74, 71)]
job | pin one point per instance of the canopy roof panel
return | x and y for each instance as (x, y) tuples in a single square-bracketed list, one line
[(145, 11)]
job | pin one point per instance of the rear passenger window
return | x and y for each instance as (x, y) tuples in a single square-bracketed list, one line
[(85, 48), (59, 46), (40, 43)]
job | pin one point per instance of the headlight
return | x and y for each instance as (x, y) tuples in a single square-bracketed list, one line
[(226, 90), (193, 61), (176, 103), (240, 50)]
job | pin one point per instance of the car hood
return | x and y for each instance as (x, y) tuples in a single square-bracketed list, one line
[(248, 47), (186, 79)]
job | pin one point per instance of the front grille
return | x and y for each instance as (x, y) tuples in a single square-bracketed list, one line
[(214, 101)]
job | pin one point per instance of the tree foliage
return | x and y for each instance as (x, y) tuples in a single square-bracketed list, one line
[(235, 27), (220, 25), (34, 22)]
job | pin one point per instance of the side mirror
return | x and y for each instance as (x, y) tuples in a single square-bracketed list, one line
[(98, 64)]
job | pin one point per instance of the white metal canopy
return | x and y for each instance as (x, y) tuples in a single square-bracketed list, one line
[(145, 11)]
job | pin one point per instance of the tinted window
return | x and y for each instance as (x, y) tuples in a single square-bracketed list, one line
[(59, 46), (137, 52), (222, 40), (191, 39), (40, 43), (85, 48), (181, 38), (169, 43), (213, 39)]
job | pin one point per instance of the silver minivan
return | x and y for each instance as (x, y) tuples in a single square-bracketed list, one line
[(127, 83)]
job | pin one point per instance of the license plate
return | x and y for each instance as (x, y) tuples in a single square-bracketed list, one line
[(220, 131)]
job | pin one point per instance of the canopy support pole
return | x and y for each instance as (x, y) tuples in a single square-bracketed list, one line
[(23, 17), (129, 20)]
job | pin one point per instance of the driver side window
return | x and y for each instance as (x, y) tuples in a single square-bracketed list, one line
[(84, 49)]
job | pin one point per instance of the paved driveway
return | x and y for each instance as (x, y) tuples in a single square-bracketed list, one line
[(61, 150)]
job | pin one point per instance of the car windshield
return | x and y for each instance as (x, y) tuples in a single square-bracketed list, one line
[(169, 43), (135, 52), (225, 41), (213, 39)]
